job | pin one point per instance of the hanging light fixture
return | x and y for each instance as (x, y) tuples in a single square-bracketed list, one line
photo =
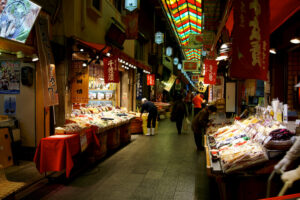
[(131, 5), (273, 51), (295, 40), (169, 51), (179, 66), (175, 61), (159, 37)]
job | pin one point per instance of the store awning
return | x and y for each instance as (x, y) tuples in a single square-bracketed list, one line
[(99, 47)]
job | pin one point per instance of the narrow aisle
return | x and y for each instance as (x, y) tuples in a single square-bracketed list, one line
[(166, 166)]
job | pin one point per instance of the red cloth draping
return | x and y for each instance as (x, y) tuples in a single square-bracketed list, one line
[(55, 153)]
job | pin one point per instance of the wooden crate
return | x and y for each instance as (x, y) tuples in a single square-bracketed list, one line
[(125, 135), (136, 126), (101, 151), (113, 138)]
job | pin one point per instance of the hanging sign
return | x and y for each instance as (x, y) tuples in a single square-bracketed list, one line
[(151, 79), (195, 41), (47, 67), (201, 85), (131, 5), (250, 45), (195, 77), (131, 21), (211, 68), (189, 65), (170, 83), (111, 72), (159, 38)]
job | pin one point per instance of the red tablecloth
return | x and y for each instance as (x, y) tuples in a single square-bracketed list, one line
[(55, 153)]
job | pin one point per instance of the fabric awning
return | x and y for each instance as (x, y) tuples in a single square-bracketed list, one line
[(99, 47)]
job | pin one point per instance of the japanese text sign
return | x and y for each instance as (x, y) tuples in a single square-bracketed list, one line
[(191, 65), (195, 77), (111, 72), (150, 79), (201, 85), (211, 68), (250, 45)]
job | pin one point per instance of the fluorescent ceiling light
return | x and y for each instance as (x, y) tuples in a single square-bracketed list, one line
[(295, 40), (273, 51)]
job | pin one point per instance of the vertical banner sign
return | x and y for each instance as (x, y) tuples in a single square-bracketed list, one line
[(151, 79), (111, 72), (80, 83), (46, 62), (131, 21), (202, 86), (139, 85), (250, 45), (211, 68)]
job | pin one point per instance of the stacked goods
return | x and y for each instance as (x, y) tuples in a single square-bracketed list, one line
[(244, 144)]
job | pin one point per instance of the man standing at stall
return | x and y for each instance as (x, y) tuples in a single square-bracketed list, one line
[(149, 107), (197, 101)]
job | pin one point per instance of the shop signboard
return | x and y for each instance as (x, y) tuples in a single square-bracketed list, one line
[(201, 85), (169, 84), (195, 77), (151, 79), (195, 41), (139, 85), (211, 68), (10, 77), (80, 83), (47, 67), (190, 65), (250, 45), (17, 18), (111, 72)]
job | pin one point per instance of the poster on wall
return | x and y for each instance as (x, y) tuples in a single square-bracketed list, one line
[(10, 105), (10, 77), (250, 45), (17, 18)]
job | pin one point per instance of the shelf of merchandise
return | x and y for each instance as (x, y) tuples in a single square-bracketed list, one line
[(98, 90)]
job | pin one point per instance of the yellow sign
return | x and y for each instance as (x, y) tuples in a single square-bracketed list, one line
[(169, 84), (201, 86)]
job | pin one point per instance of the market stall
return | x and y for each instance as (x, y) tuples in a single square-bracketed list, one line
[(243, 153)]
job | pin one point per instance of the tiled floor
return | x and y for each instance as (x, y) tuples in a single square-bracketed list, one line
[(166, 166)]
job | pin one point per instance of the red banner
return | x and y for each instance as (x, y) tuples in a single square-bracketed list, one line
[(250, 45), (150, 79), (131, 22), (211, 68), (111, 72)]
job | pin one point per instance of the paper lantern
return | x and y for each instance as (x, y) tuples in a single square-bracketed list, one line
[(175, 61), (159, 38), (131, 5), (169, 51), (179, 66)]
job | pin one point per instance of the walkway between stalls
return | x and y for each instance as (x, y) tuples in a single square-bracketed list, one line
[(165, 166)]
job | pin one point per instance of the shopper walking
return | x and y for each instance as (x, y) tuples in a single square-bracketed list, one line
[(188, 100), (197, 101), (179, 112), (199, 124), (149, 107)]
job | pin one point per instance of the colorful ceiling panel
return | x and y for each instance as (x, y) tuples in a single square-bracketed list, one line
[(186, 18)]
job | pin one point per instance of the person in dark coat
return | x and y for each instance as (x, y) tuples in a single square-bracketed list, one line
[(199, 124), (149, 107), (179, 112)]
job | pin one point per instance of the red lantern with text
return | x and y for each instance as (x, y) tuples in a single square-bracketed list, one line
[(150, 79)]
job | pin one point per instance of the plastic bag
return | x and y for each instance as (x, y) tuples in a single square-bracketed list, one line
[(186, 125)]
